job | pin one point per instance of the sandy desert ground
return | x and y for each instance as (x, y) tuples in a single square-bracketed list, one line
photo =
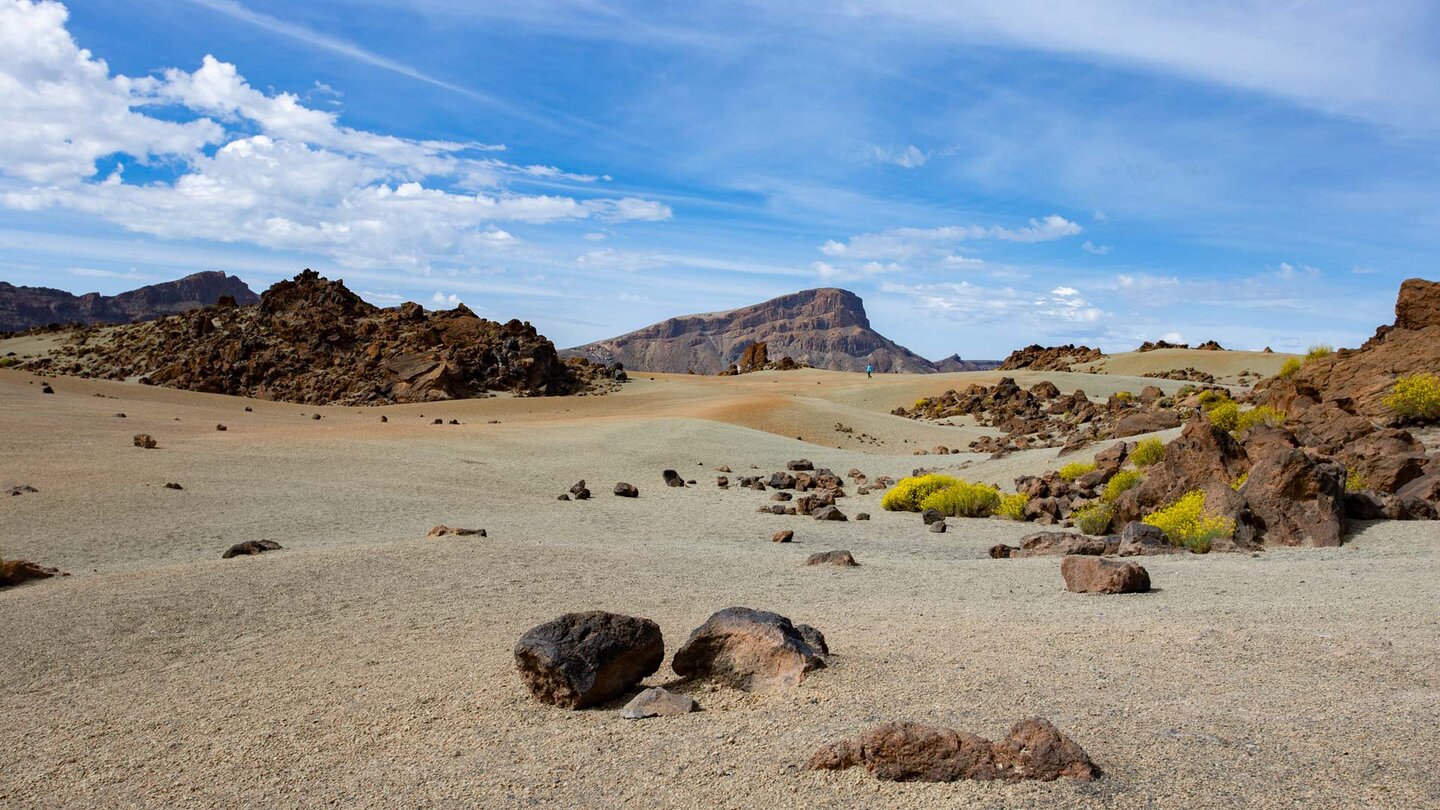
[(366, 665)]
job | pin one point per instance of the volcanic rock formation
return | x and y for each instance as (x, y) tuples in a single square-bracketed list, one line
[(825, 328), (313, 341), (24, 308)]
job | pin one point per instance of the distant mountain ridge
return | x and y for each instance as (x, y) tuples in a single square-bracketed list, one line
[(24, 308), (825, 328)]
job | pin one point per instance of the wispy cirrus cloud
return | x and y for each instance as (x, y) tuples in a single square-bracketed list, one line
[(900, 243)]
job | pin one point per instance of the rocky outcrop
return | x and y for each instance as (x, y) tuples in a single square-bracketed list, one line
[(582, 659), (250, 548), (825, 328), (15, 572), (910, 752), (1049, 358), (24, 308), (1356, 381), (313, 341), (747, 649)]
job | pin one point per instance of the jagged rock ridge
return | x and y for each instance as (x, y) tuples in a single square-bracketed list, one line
[(24, 308), (825, 328), (314, 341)]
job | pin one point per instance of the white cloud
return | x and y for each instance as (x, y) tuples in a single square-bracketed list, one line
[(594, 236), (908, 158), (629, 260), (1098, 250), (284, 175), (956, 260), (1100, 216), (452, 300), (1062, 312), (1363, 271), (1290, 272), (900, 243), (1173, 337)]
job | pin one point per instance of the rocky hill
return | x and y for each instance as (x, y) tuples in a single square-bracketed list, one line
[(313, 341), (825, 328), (24, 308), (1049, 358), (955, 363)]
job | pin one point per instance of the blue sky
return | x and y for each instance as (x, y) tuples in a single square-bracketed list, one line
[(984, 174)]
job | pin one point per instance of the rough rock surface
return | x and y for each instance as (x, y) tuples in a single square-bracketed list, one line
[(824, 328), (1296, 498), (454, 531), (910, 752), (581, 659), (1090, 574), (23, 308), (657, 701), (747, 649), (313, 341)]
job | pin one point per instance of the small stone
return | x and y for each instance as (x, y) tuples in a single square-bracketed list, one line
[(384, 418), (862, 515), (173, 485), (145, 440), (46, 389), (842, 558), (938, 527), (316, 417), (931, 516), (579, 491), (120, 416), (782, 536), (221, 428), (658, 701), (829, 513), (722, 481), (781, 496), (562, 497), (436, 422), (452, 531), (22, 489), (249, 409), (672, 478), (625, 490), (250, 547), (799, 464)]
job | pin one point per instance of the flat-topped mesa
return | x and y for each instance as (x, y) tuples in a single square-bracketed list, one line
[(23, 308), (312, 340), (825, 328)]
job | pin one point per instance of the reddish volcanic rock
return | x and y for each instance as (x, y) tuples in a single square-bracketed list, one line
[(910, 752), (1088, 574), (748, 649)]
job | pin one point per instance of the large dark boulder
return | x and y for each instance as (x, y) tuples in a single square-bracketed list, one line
[(582, 659)]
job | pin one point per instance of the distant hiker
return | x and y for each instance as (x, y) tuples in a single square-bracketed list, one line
[(869, 369)]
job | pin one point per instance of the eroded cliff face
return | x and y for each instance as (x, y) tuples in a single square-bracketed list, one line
[(824, 328), (24, 308)]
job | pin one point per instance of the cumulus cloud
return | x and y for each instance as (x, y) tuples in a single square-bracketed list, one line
[(901, 243), (1098, 250), (250, 166), (1063, 311)]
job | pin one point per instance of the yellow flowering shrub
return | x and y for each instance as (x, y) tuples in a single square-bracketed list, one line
[(1012, 507), (1186, 523), (963, 500), (907, 493), (1121, 481), (1093, 519), (1147, 452), (1416, 398), (1075, 469)]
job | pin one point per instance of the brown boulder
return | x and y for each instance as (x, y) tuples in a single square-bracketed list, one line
[(1385, 460), (1146, 421), (829, 513), (782, 536), (625, 490), (672, 478), (1090, 574), (910, 752), (658, 701), (1297, 499), (1203, 454), (842, 558), (582, 659), (453, 531), (14, 572), (747, 649), (145, 440)]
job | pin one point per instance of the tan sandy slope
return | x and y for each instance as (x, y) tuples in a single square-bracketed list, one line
[(365, 665)]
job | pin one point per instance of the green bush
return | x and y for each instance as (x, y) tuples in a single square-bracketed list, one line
[(1263, 415), (1318, 351), (1186, 524), (1416, 398), (1094, 519), (1225, 416), (1012, 507), (1121, 481), (964, 500), (1147, 452), (907, 493), (1075, 469), (1210, 398), (6, 362), (1291, 366)]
